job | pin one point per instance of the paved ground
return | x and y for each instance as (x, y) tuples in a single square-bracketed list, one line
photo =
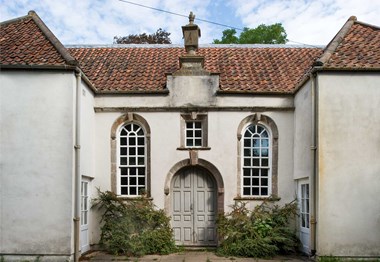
[(187, 256)]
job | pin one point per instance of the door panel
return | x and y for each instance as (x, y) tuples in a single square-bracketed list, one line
[(304, 203), (194, 208), (85, 195)]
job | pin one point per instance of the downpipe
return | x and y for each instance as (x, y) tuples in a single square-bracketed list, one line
[(77, 187), (313, 180)]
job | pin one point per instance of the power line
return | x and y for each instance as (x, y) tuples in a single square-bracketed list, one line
[(182, 15), (203, 20)]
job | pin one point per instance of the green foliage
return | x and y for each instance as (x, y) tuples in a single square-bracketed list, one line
[(160, 37), (134, 227), (263, 34), (262, 232)]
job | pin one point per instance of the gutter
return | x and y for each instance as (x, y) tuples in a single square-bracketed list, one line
[(314, 169), (77, 175)]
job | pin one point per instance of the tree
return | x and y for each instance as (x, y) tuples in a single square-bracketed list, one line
[(263, 34), (160, 37)]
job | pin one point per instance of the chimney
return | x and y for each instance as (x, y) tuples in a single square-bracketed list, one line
[(191, 63)]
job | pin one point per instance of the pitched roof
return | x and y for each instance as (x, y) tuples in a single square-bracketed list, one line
[(242, 69), (26, 41), (355, 47)]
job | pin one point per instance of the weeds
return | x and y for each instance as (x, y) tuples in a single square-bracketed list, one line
[(134, 228), (263, 232)]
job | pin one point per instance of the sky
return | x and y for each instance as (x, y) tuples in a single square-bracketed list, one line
[(84, 22)]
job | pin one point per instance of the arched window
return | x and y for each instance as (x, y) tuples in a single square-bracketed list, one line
[(132, 160), (256, 161), (130, 156), (257, 136)]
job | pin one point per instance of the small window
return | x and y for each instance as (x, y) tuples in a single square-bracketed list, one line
[(194, 131), (193, 134)]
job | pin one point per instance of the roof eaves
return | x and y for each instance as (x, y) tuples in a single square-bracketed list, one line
[(53, 39), (334, 43)]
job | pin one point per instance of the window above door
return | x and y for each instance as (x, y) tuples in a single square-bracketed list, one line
[(194, 133)]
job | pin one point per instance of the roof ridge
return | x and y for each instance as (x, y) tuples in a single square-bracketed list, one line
[(367, 24), (52, 39), (334, 43)]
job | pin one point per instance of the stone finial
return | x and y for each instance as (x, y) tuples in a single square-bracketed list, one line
[(191, 34), (191, 18)]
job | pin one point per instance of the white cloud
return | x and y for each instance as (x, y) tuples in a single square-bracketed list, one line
[(97, 21)]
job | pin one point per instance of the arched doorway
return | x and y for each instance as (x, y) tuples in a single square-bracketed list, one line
[(194, 194)]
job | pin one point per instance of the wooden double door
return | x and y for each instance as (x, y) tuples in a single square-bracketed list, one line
[(194, 207)]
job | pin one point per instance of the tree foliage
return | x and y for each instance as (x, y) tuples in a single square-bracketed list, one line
[(160, 37), (263, 34)]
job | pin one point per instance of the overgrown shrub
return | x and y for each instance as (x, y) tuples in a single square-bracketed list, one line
[(263, 232), (134, 227)]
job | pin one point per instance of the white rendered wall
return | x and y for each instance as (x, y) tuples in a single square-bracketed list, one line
[(36, 166), (165, 139), (303, 132), (349, 166)]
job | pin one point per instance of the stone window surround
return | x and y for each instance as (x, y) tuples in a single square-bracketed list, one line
[(258, 118), (120, 121), (194, 116)]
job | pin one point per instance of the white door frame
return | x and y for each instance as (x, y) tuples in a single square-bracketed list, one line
[(304, 214), (85, 218)]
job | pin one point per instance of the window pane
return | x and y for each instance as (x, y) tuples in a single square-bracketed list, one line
[(141, 151), (124, 181), (124, 190), (264, 134), (189, 125), (264, 172), (140, 132), (189, 142), (140, 161), (247, 181), (189, 133), (264, 191), (141, 181), (264, 142), (247, 142), (247, 152), (264, 181), (256, 152), (132, 171), (264, 152), (128, 127), (123, 150), (252, 128), (259, 129), (198, 142), (132, 181), (255, 162), (247, 162), (132, 141), (123, 160), (256, 142), (255, 191), (141, 141), (198, 125), (133, 191), (264, 162), (256, 172), (198, 133), (123, 141), (141, 171), (255, 182), (246, 191), (141, 190), (246, 172), (132, 161), (132, 151)]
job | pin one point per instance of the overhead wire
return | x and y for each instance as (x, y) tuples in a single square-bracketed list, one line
[(199, 19)]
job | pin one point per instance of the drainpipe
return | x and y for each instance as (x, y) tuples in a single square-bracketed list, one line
[(313, 180), (77, 187)]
